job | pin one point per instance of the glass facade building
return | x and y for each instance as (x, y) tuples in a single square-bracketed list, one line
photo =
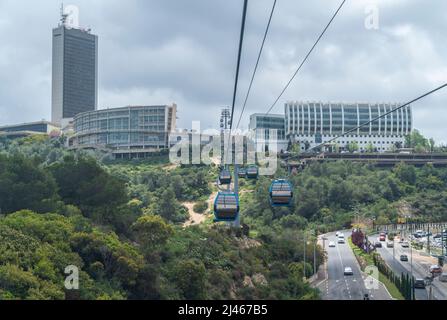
[(262, 125), (74, 73), (316, 122), (131, 128), (37, 127)]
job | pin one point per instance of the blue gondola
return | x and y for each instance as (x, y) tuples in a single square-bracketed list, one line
[(225, 177), (226, 206), (281, 193), (252, 172), (242, 173)]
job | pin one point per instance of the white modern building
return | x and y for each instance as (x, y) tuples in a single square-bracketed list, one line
[(263, 126), (128, 131), (313, 123)]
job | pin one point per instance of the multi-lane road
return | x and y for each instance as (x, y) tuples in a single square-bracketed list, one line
[(337, 286), (420, 268)]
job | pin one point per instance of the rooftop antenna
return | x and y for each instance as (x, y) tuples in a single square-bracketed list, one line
[(64, 16)]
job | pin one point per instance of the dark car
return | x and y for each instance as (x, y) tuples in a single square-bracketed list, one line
[(419, 284), (378, 245), (404, 257)]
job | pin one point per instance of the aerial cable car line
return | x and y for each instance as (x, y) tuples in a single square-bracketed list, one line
[(375, 119), (226, 204), (281, 190), (306, 57), (236, 81), (257, 64)]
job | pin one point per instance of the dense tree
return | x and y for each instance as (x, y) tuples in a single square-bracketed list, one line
[(406, 173), (25, 185), (98, 225), (152, 231), (190, 278), (353, 146), (84, 183), (417, 141)]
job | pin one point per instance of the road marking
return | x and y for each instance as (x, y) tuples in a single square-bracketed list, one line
[(343, 267)]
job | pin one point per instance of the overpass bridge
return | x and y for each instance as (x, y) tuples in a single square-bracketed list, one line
[(378, 159)]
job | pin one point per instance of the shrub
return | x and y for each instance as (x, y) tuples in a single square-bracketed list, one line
[(200, 207)]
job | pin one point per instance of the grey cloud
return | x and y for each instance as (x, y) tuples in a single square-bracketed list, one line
[(161, 51)]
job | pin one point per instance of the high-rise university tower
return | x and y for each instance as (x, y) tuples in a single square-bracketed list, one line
[(75, 69)]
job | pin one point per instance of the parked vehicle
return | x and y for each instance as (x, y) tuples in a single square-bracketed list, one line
[(418, 234), (382, 238), (341, 240), (390, 244), (332, 244), (404, 258), (378, 245)]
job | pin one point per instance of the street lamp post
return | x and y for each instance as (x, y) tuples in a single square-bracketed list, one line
[(315, 255), (394, 252), (411, 258), (394, 248), (304, 256)]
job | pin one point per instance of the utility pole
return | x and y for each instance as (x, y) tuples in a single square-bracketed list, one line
[(315, 254), (237, 223), (428, 238), (443, 240), (225, 121)]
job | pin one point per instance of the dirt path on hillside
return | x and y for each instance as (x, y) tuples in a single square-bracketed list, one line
[(194, 218), (171, 167), (198, 218)]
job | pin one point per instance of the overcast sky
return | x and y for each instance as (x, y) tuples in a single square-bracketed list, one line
[(184, 51)]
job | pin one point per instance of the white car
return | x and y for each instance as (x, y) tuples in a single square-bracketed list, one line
[(332, 244), (348, 271), (341, 240), (405, 244)]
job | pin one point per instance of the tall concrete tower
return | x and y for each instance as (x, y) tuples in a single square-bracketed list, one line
[(75, 68)]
